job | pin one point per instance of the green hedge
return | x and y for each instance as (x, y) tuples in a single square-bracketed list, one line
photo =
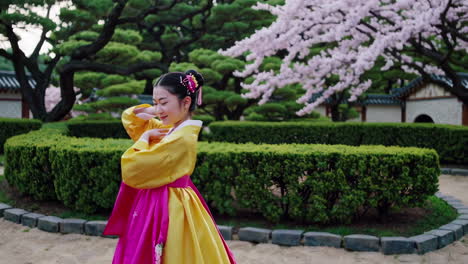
[(97, 129), (313, 183), (107, 128), (14, 126), (450, 142), (87, 172), (101, 129), (206, 119), (27, 163)]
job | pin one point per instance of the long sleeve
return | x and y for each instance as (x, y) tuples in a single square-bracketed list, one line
[(158, 164), (136, 126)]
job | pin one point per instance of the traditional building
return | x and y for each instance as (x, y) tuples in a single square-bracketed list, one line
[(419, 101), (12, 103)]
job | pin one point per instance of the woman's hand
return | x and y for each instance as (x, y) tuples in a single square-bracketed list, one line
[(145, 113), (153, 135)]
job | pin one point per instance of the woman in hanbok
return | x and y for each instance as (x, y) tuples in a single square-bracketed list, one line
[(159, 215)]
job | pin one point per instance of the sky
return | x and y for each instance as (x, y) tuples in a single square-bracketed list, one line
[(30, 35)]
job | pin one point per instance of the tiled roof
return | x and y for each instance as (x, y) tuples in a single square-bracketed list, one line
[(382, 99), (315, 96), (8, 82), (416, 83), (397, 95)]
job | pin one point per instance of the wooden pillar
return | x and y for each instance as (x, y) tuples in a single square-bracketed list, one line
[(24, 108), (403, 113), (364, 113), (465, 114)]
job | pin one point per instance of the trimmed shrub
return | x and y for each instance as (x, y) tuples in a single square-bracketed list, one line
[(93, 116), (207, 119), (87, 172), (450, 141), (111, 128), (15, 126), (97, 129), (313, 183), (27, 163)]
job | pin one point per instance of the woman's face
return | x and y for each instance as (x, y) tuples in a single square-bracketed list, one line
[(168, 108)]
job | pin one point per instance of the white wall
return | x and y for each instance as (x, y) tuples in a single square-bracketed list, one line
[(442, 111), (430, 90), (321, 110), (383, 113), (9, 108)]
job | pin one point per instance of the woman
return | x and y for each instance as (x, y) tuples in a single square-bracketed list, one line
[(159, 215)]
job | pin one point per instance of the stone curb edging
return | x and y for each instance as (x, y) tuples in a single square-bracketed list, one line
[(454, 171), (420, 244)]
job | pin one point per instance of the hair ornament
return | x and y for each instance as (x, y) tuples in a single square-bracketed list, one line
[(190, 82)]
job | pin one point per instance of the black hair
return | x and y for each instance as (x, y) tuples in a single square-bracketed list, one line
[(171, 82)]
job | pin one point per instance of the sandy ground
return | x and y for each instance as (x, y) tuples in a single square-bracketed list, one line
[(21, 245), (456, 186)]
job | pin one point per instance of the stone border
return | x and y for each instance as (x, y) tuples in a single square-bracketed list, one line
[(420, 244), (454, 171)]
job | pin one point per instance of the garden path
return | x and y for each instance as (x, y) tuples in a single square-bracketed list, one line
[(21, 245)]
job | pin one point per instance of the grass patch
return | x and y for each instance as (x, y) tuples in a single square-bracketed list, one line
[(73, 214), (442, 213), (2, 160), (434, 213)]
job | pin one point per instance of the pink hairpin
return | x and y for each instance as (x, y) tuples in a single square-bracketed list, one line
[(190, 82), (199, 99)]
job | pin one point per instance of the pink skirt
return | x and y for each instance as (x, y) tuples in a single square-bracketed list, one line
[(141, 218)]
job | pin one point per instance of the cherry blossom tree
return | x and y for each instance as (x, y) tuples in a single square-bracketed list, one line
[(53, 97), (424, 36)]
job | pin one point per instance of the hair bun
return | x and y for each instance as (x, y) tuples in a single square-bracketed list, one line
[(198, 77)]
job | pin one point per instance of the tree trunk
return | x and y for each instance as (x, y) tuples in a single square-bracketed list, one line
[(148, 87), (388, 87), (236, 114), (34, 97), (219, 115), (335, 113), (68, 97)]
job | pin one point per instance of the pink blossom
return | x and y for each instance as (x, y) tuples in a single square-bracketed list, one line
[(362, 30), (53, 97)]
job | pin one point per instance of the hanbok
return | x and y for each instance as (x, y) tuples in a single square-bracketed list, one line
[(159, 215)]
